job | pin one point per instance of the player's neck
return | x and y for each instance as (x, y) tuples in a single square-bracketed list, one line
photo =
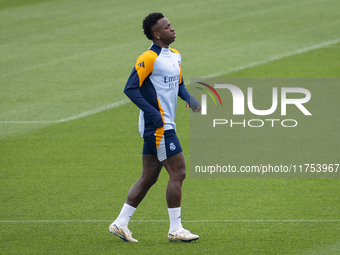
[(161, 44)]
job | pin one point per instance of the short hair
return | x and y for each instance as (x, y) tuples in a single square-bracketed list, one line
[(149, 21)]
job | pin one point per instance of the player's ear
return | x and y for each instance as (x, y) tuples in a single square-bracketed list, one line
[(156, 34)]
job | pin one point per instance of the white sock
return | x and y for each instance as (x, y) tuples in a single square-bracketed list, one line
[(175, 218), (125, 214)]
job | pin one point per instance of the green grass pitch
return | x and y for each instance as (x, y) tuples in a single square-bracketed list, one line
[(63, 182)]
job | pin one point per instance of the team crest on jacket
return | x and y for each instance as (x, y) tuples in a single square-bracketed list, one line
[(172, 146)]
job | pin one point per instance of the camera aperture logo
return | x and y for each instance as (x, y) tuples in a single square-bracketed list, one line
[(238, 105), (204, 97)]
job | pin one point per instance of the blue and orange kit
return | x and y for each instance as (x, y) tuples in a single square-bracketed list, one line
[(154, 85)]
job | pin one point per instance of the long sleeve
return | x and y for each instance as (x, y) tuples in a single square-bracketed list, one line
[(132, 91), (185, 95)]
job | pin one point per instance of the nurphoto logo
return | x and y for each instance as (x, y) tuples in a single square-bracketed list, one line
[(265, 128), (238, 105)]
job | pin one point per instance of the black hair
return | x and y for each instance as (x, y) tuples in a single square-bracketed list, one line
[(149, 21)]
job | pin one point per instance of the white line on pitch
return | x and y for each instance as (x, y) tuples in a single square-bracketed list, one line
[(28, 122), (94, 111), (75, 117), (155, 221), (265, 61), (124, 101)]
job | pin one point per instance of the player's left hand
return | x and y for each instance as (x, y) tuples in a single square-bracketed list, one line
[(196, 109)]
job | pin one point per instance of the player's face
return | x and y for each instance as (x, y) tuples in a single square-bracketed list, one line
[(166, 32)]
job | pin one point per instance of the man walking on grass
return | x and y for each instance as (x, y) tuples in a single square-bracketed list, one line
[(154, 85)]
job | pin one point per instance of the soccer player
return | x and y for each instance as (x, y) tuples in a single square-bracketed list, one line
[(154, 85)]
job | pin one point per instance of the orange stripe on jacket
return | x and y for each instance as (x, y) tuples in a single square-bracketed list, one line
[(144, 65), (180, 74), (159, 131)]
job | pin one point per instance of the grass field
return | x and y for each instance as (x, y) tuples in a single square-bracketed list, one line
[(70, 148)]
